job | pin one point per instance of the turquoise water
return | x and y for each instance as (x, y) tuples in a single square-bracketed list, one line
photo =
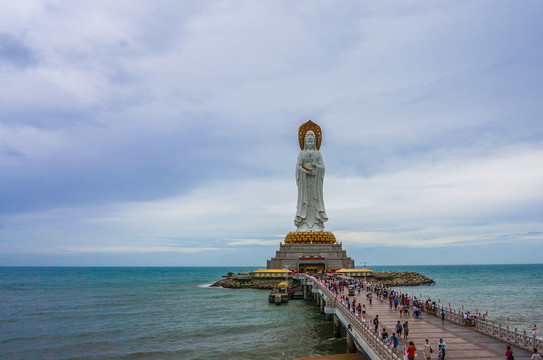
[(170, 313), (150, 313)]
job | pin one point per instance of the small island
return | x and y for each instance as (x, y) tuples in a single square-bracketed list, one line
[(256, 280)]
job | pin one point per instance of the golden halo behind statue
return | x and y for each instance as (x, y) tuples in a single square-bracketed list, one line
[(310, 125)]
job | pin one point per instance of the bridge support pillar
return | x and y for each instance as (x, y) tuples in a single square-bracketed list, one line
[(329, 317), (337, 327), (322, 305), (305, 292), (351, 348)]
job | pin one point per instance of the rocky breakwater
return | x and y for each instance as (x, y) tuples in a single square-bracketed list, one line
[(250, 284), (400, 278), (386, 278), (246, 281)]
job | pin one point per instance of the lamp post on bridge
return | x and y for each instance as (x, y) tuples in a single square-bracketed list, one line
[(286, 277), (364, 263)]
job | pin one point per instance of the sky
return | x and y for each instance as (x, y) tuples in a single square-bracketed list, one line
[(160, 133)]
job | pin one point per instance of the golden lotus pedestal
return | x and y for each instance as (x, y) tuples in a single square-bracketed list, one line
[(310, 238)]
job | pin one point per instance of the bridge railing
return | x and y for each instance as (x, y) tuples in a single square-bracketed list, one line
[(362, 328), (510, 336), (513, 337)]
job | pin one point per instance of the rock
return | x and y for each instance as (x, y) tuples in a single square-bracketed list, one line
[(260, 284), (401, 278), (387, 278)]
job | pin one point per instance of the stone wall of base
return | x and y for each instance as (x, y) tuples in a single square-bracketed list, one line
[(329, 256)]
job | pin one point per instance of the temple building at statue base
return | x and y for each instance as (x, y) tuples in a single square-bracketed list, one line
[(311, 252)]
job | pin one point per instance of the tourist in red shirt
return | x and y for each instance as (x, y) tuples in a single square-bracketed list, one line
[(411, 351), (508, 353)]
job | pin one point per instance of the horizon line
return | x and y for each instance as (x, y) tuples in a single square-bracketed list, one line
[(226, 266)]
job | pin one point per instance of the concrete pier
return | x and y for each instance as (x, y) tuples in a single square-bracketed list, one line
[(322, 303), (351, 348), (337, 327)]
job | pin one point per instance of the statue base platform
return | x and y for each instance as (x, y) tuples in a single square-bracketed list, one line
[(311, 256)]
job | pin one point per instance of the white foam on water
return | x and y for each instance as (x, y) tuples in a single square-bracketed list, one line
[(206, 285)]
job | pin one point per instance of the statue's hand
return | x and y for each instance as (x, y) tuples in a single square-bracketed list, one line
[(307, 169)]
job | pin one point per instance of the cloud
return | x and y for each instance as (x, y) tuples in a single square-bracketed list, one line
[(142, 120), (446, 204), (142, 249), (437, 237), (14, 52), (259, 242)]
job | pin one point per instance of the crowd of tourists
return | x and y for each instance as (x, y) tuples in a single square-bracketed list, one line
[(403, 303)]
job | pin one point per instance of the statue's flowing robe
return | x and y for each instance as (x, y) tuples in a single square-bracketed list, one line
[(310, 213)]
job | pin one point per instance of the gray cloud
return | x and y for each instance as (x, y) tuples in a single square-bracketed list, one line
[(15, 52), (6, 150), (158, 100)]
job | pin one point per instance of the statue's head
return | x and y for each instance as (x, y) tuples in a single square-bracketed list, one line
[(310, 140)]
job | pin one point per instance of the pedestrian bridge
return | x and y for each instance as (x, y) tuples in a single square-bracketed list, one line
[(485, 341)]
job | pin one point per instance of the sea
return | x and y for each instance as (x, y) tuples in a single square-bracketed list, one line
[(174, 313)]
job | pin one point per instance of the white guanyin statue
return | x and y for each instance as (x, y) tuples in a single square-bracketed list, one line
[(310, 213)]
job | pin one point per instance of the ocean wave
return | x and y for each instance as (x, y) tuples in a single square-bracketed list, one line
[(208, 286)]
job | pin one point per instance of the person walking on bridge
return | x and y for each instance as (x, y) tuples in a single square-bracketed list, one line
[(428, 350), (395, 342), (405, 329), (509, 354), (411, 351), (441, 347), (535, 356), (399, 329), (384, 334)]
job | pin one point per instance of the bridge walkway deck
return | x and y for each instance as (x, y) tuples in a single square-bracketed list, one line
[(463, 342)]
